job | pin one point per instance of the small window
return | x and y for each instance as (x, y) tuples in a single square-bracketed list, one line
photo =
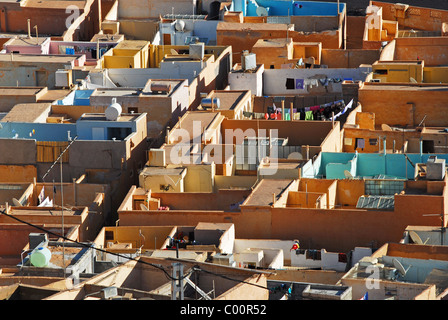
[(109, 235), (290, 84), (381, 71)]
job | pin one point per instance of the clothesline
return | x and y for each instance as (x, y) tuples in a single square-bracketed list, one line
[(318, 112)]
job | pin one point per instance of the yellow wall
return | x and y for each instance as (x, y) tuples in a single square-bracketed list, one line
[(435, 74), (126, 57), (398, 72), (200, 178)]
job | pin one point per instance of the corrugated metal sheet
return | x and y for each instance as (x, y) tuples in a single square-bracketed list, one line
[(376, 202), (49, 151)]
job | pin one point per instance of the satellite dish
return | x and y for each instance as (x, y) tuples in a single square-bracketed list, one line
[(295, 156), (143, 207), (412, 80), (262, 12), (16, 202), (173, 52), (385, 127), (347, 174), (415, 237), (179, 25), (399, 267)]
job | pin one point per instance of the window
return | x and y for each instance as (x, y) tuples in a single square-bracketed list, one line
[(380, 71), (290, 84)]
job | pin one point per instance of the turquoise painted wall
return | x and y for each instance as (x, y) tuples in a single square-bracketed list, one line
[(332, 165)]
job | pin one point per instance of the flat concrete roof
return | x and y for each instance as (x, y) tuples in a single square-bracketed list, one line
[(163, 171), (188, 120), (26, 112), (264, 190), (132, 44), (28, 42), (102, 117), (253, 26), (47, 211), (51, 4), (44, 58), (229, 100), (403, 87), (119, 92), (20, 91), (53, 95)]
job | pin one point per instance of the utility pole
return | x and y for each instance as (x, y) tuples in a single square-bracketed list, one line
[(177, 287)]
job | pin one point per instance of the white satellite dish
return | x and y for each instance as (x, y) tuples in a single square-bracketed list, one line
[(412, 80), (399, 267), (295, 156), (415, 237), (16, 202), (347, 174), (385, 127), (262, 12), (143, 207)]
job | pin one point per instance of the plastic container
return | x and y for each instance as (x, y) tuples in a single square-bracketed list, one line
[(40, 257)]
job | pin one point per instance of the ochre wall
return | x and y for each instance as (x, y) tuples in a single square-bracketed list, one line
[(433, 50), (418, 18), (336, 229), (11, 173), (394, 107)]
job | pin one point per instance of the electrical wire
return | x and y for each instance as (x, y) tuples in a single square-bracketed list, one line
[(98, 249), (197, 268), (167, 274)]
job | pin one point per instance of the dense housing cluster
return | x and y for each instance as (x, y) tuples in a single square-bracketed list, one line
[(223, 150)]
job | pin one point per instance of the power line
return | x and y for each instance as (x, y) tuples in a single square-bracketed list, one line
[(88, 246), (167, 274)]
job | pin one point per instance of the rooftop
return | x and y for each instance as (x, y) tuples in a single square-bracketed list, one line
[(264, 191), (28, 112)]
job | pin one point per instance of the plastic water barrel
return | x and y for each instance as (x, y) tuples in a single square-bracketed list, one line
[(40, 257), (113, 111)]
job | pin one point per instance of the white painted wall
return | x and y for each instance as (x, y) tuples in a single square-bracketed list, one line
[(328, 261), (274, 80), (247, 81), (359, 253), (228, 240)]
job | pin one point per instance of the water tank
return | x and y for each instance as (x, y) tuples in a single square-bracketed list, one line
[(113, 111), (197, 50), (40, 257), (248, 61), (206, 103), (160, 87)]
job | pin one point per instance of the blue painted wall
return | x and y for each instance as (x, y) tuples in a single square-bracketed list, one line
[(42, 131), (285, 8), (392, 165)]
